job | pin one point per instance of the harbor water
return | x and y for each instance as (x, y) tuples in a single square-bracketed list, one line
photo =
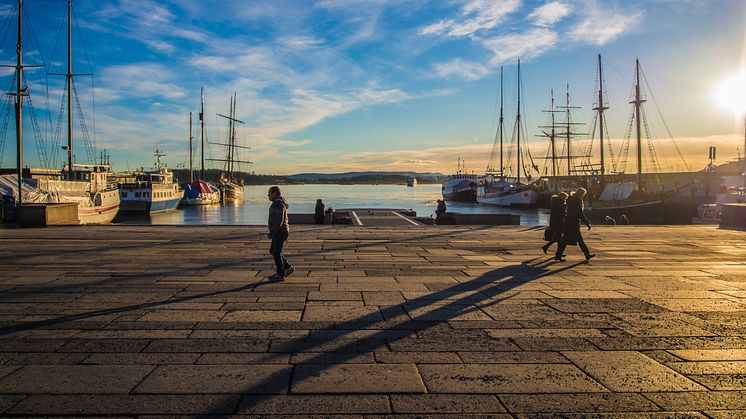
[(302, 199)]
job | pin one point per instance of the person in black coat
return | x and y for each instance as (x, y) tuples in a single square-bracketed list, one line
[(318, 213), (441, 208), (574, 216), (557, 206)]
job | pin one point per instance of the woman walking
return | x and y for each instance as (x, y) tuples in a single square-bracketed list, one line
[(557, 206), (574, 216)]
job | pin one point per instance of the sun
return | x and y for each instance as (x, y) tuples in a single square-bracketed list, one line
[(731, 94)]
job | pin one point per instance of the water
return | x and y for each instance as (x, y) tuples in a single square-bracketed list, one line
[(302, 199)]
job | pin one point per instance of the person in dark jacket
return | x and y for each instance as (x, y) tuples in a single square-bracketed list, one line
[(574, 216), (318, 213), (441, 208), (279, 231), (557, 206)]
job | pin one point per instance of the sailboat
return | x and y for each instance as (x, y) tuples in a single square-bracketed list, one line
[(199, 192), (496, 188), (231, 188), (88, 185), (644, 200)]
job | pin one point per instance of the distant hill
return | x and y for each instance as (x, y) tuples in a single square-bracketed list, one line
[(367, 177)]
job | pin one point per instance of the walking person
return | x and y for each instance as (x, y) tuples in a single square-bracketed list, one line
[(557, 205), (574, 216), (318, 213), (279, 231)]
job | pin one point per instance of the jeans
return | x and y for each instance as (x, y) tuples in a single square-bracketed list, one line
[(275, 249)]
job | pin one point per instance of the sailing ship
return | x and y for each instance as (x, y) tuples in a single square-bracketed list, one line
[(495, 188), (231, 188), (88, 185), (150, 192), (199, 192), (644, 200), (461, 186)]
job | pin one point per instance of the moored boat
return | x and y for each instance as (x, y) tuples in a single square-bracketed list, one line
[(150, 192)]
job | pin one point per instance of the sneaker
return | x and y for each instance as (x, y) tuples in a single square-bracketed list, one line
[(559, 259), (276, 277), (589, 256), (544, 248), (289, 271)]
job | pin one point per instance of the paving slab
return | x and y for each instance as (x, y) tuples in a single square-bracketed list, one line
[(216, 379), (353, 378), (630, 371), (74, 379), (510, 378)]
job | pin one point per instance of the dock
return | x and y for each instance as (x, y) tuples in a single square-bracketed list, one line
[(424, 320)]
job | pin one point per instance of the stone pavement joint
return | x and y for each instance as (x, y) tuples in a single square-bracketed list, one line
[(448, 320)]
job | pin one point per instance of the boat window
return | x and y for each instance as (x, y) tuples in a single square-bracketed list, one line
[(137, 194), (124, 194)]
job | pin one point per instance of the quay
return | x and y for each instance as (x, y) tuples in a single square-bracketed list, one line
[(424, 320)]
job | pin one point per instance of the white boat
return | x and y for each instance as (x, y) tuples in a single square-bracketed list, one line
[(506, 193), (150, 192), (90, 187)]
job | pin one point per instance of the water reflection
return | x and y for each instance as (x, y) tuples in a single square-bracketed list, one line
[(302, 199)]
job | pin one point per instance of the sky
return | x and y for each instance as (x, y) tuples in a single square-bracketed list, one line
[(351, 85)]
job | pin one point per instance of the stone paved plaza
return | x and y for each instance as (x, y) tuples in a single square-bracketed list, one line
[(418, 321)]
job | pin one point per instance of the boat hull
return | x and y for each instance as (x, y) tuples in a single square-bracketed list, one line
[(520, 197), (101, 210), (460, 188), (200, 193), (148, 207)]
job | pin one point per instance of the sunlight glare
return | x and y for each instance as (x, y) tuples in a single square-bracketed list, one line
[(731, 94)]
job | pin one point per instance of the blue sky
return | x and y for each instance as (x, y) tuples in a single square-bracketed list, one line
[(336, 85)]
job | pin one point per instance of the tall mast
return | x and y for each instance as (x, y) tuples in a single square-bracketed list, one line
[(69, 77), (567, 117), (19, 102), (232, 149), (600, 109), (501, 124), (202, 135), (191, 137), (518, 122), (551, 139), (638, 103)]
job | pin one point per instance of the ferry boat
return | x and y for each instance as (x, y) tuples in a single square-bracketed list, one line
[(150, 192), (461, 186)]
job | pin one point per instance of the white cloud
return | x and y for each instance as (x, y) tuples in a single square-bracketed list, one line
[(525, 45), (460, 68), (550, 13), (139, 80), (476, 15), (601, 25)]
